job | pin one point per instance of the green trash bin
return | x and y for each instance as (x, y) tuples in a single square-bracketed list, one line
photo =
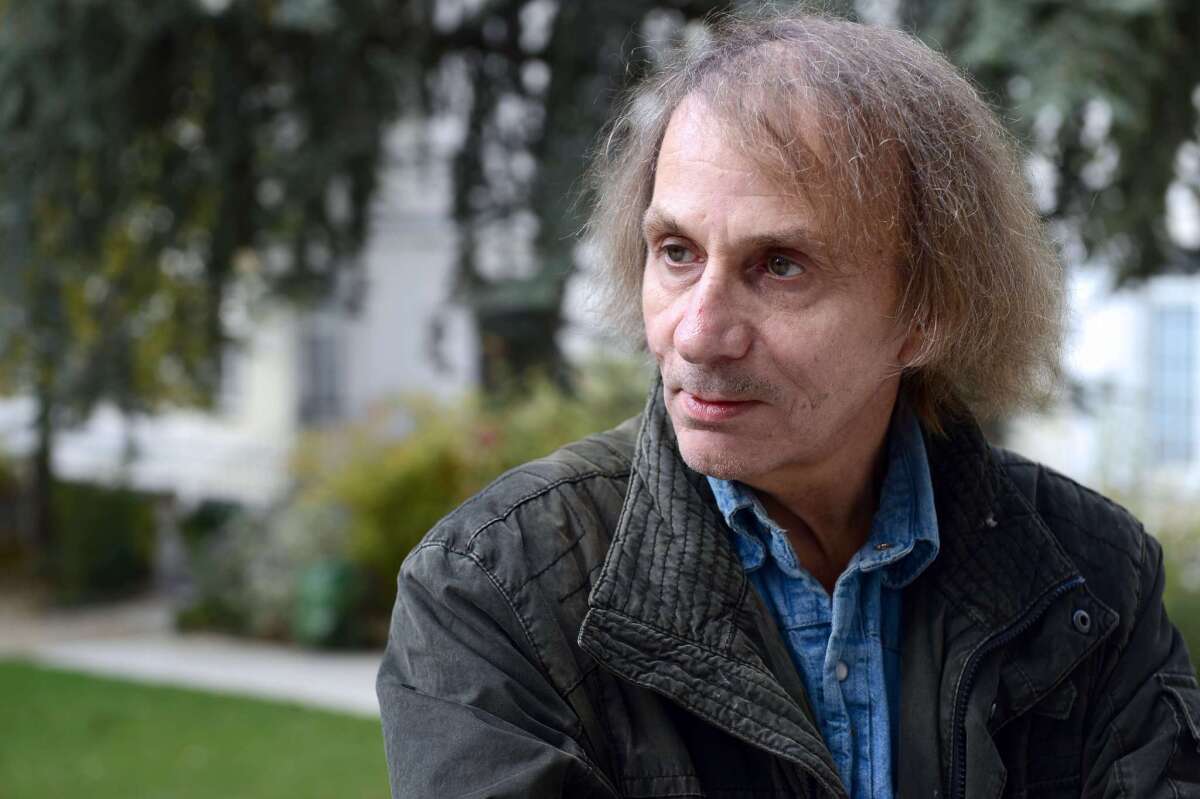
[(327, 604)]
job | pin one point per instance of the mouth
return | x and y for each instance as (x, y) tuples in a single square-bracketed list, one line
[(713, 409)]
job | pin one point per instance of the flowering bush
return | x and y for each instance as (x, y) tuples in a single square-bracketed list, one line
[(392, 492), (321, 568)]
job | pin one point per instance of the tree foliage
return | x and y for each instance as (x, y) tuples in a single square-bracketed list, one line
[(148, 150), (150, 154), (1105, 94)]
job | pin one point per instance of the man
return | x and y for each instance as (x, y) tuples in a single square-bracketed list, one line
[(802, 571)]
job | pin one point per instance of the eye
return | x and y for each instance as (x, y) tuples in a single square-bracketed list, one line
[(782, 266), (679, 254)]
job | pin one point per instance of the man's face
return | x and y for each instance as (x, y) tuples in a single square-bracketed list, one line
[(774, 332)]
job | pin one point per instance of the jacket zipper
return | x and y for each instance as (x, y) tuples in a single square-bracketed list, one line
[(958, 758)]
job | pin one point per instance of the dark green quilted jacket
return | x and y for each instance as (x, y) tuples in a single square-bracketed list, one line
[(582, 628)]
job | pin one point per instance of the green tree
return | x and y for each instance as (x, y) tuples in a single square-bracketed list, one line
[(1105, 93), (150, 152)]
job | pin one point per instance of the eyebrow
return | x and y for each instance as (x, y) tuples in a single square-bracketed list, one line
[(656, 223)]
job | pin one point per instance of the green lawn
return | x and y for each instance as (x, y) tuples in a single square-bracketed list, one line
[(68, 735)]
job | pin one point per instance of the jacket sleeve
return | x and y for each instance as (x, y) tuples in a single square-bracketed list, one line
[(467, 708), (1144, 739)]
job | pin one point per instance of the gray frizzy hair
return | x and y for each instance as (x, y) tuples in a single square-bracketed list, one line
[(900, 129)]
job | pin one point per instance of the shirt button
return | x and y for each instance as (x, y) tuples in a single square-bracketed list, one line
[(841, 671)]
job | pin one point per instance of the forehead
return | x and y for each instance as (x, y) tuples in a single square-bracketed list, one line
[(761, 171), (703, 131), (709, 187)]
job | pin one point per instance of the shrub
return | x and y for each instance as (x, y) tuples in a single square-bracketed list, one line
[(206, 520), (393, 491), (321, 567), (247, 577), (104, 542)]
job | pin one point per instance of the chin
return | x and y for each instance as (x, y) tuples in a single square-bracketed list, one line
[(705, 453)]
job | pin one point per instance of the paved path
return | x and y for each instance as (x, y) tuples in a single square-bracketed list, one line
[(134, 640)]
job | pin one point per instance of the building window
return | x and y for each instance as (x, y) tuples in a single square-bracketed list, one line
[(1172, 384), (320, 374), (233, 380)]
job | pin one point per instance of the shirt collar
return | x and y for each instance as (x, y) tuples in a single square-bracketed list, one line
[(746, 516), (904, 534)]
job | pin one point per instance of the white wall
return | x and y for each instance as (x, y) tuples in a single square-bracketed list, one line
[(390, 345), (237, 452)]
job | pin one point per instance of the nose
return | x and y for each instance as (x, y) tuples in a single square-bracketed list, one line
[(711, 328)]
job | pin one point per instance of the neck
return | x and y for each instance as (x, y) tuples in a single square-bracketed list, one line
[(827, 508)]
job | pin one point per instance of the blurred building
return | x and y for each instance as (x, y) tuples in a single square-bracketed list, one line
[(1131, 420)]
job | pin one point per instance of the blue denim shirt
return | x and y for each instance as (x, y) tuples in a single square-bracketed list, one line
[(847, 647)]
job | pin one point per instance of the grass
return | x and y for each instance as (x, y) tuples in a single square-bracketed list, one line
[(68, 735)]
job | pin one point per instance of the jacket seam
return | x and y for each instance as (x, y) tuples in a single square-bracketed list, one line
[(663, 558), (1025, 678), (575, 478), (601, 440), (1093, 539), (570, 689), (727, 644), (474, 558), (1138, 608), (585, 759), (581, 757), (574, 545), (1123, 521), (966, 610), (1174, 747), (1079, 488), (606, 728), (587, 583), (1120, 743), (608, 563), (1139, 587)]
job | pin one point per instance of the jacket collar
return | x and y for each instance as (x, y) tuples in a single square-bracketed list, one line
[(670, 612), (1004, 571), (998, 557), (672, 608)]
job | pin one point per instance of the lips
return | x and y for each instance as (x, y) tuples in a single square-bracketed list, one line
[(713, 410)]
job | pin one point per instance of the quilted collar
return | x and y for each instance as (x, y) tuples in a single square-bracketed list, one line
[(672, 609), (671, 565)]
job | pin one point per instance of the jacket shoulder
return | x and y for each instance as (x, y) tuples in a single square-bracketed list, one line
[(1107, 543), (536, 510), (526, 549)]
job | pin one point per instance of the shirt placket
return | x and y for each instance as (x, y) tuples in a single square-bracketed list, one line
[(841, 668)]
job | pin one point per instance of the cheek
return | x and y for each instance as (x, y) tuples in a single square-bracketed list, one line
[(656, 314)]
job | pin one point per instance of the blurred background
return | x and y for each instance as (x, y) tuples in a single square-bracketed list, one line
[(283, 281)]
